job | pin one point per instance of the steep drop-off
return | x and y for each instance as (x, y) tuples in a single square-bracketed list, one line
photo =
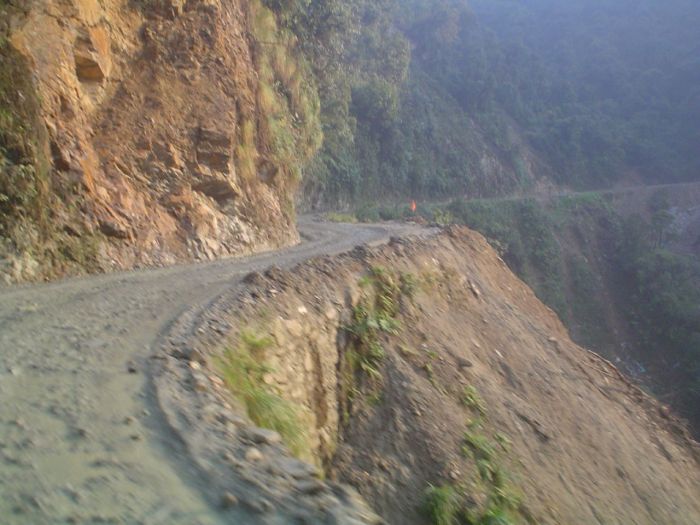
[(144, 133), (416, 365), (620, 268)]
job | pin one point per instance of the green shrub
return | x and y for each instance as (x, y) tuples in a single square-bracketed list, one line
[(479, 446), (442, 505), (409, 284), (374, 315), (503, 504), (368, 213)]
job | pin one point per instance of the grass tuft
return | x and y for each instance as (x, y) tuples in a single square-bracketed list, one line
[(246, 152), (267, 99), (374, 315), (472, 400), (243, 371), (341, 217)]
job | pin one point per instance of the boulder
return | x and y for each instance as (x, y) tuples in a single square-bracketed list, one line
[(87, 68), (92, 55)]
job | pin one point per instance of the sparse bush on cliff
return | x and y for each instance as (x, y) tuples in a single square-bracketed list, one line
[(441, 505)]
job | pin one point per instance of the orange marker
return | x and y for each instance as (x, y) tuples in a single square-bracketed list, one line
[(413, 206)]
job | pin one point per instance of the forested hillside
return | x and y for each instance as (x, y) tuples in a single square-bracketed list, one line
[(342, 103), (600, 87), (429, 98)]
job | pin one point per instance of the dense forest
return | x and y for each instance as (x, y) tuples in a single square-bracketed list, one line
[(430, 98), (601, 87)]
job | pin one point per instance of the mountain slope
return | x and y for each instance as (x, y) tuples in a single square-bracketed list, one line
[(503, 97), (83, 438), (147, 132), (428, 363)]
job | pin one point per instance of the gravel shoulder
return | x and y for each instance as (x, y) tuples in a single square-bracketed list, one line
[(81, 439)]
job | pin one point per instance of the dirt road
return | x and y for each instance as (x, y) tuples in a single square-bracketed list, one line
[(80, 437)]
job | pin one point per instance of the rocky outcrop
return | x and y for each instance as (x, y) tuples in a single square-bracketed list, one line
[(156, 144)]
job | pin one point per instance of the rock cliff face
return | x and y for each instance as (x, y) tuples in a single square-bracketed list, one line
[(164, 132)]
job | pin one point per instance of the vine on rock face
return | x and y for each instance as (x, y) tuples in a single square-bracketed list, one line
[(287, 132)]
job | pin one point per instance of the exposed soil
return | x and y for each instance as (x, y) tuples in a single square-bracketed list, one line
[(154, 150), (113, 410), (81, 437), (585, 444)]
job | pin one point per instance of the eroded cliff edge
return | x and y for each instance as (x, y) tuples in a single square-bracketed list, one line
[(427, 376), (145, 133)]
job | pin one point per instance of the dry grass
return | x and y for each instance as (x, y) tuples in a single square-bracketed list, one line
[(290, 130), (246, 153), (268, 99)]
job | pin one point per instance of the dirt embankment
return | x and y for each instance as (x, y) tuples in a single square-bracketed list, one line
[(421, 363), (81, 437)]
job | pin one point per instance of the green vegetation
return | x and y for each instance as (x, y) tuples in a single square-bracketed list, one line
[(341, 217), (417, 94), (663, 306), (524, 233), (535, 238), (428, 367), (446, 505), (358, 59), (582, 258), (246, 150), (472, 400), (502, 504), (451, 504), (480, 446), (243, 370), (286, 132), (374, 315), (503, 441), (29, 192), (24, 184), (442, 505), (591, 95)]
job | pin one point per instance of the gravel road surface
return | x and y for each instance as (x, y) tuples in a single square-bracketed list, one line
[(81, 440)]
